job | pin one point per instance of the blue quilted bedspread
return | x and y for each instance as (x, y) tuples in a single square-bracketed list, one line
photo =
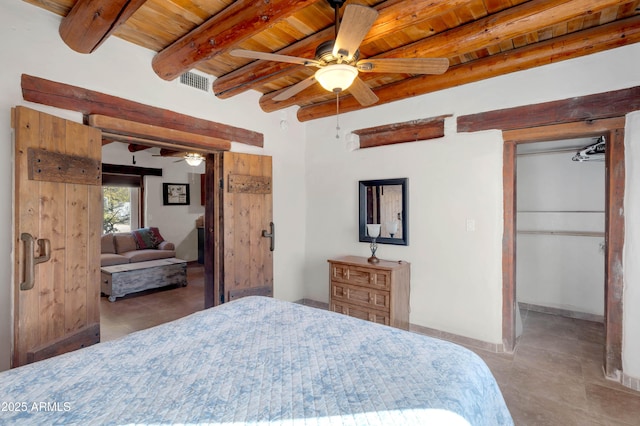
[(259, 361)]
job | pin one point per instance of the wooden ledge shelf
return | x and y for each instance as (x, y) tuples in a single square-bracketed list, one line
[(409, 131)]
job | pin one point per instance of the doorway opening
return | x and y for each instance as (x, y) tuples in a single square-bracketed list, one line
[(132, 199), (560, 244), (613, 131)]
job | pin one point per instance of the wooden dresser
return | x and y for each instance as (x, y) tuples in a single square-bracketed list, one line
[(377, 292)]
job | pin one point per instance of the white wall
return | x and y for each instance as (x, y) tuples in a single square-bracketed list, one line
[(30, 44), (555, 193), (176, 223), (631, 265), (456, 282)]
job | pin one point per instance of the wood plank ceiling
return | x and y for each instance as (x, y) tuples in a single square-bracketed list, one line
[(480, 38)]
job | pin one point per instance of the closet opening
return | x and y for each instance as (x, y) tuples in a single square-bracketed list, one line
[(613, 131), (560, 244)]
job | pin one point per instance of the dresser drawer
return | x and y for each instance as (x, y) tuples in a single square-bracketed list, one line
[(360, 312), (363, 296), (377, 292), (357, 275)]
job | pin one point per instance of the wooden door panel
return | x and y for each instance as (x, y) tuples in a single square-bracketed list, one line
[(64, 301), (247, 210)]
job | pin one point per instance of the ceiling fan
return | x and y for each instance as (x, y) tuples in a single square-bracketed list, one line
[(338, 60), (192, 158)]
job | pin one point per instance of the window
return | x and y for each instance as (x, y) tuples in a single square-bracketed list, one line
[(123, 196), (120, 208)]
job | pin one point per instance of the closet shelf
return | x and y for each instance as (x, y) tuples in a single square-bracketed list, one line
[(564, 233), (561, 211)]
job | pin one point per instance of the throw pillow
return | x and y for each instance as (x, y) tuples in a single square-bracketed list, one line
[(147, 238)]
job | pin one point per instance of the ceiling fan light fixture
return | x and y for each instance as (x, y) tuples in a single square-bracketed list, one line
[(336, 77), (193, 159)]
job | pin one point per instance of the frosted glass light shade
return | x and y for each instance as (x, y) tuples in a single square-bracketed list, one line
[(373, 229), (392, 227), (193, 159), (336, 77)]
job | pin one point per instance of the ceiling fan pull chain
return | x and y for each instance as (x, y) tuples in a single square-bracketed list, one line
[(337, 115)]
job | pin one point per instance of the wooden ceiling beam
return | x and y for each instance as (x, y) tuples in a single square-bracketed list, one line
[(164, 152), (133, 147), (236, 23), (394, 17), (570, 46), (260, 72), (88, 102), (513, 22), (90, 22)]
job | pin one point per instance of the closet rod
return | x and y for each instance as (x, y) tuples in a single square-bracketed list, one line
[(564, 233), (549, 151)]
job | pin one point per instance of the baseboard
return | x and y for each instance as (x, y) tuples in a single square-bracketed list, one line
[(313, 303), (454, 338), (561, 312), (631, 382)]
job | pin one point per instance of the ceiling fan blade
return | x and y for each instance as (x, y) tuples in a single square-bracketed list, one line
[(405, 65), (356, 23), (363, 94), (295, 89), (252, 54)]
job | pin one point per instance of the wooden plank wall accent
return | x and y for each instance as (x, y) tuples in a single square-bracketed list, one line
[(592, 107), (409, 131), (60, 95), (247, 184), (89, 23), (56, 167)]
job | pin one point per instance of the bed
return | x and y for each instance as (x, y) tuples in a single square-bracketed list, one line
[(259, 360)]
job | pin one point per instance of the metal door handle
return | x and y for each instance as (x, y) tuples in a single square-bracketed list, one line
[(271, 235), (30, 261)]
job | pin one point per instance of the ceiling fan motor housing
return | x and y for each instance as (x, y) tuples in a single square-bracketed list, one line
[(324, 53), (336, 4)]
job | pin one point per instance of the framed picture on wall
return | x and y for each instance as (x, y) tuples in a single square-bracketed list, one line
[(175, 194)]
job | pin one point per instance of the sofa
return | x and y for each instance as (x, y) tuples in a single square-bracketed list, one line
[(139, 245)]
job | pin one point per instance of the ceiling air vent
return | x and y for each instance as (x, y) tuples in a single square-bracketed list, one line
[(196, 81)]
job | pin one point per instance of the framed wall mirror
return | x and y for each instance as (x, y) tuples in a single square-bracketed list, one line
[(385, 202)]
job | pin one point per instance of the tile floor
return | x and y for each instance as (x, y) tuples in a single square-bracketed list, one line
[(553, 378), (146, 309)]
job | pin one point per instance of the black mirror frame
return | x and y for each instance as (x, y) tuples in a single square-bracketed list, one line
[(404, 182)]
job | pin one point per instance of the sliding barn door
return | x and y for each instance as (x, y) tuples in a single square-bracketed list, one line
[(58, 220), (244, 243)]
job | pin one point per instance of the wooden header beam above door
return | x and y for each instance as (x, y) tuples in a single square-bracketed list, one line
[(157, 136), (88, 102)]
